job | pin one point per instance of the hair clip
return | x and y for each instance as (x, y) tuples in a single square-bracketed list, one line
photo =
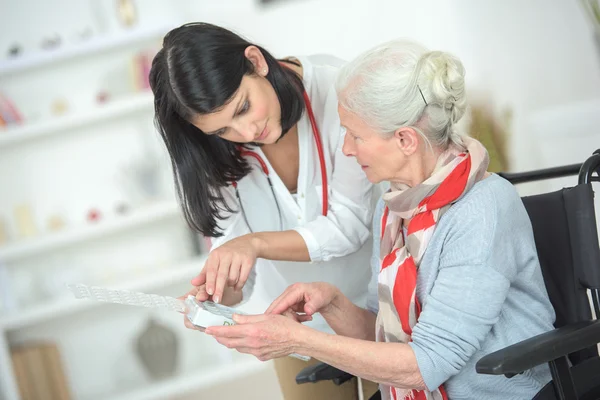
[(425, 101)]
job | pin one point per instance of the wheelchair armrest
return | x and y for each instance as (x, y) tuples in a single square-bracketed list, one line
[(540, 349), (322, 372)]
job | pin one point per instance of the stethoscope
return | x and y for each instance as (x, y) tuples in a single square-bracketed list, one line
[(317, 136)]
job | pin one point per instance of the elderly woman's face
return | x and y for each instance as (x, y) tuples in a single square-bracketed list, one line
[(377, 156)]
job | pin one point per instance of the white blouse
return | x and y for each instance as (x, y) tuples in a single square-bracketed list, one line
[(339, 244)]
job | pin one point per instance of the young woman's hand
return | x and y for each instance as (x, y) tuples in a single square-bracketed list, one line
[(308, 298), (228, 265)]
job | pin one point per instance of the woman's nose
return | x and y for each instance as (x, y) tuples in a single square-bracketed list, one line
[(248, 130), (348, 146)]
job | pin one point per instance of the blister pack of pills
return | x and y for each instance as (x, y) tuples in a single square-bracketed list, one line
[(127, 297), (200, 313)]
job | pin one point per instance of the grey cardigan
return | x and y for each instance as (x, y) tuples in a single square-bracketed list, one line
[(481, 289)]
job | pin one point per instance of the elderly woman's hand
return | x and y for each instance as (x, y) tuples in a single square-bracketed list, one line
[(199, 293), (308, 298), (264, 336)]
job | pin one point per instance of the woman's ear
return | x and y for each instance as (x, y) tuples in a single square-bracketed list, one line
[(257, 59), (407, 140)]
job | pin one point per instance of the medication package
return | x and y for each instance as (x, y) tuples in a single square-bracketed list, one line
[(200, 313)]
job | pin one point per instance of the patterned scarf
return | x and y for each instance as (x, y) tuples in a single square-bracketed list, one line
[(455, 173)]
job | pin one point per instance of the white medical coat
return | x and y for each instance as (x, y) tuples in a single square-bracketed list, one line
[(340, 243)]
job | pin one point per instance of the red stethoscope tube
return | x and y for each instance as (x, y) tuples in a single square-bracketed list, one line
[(265, 169)]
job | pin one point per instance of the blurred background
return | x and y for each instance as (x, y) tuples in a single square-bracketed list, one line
[(86, 191)]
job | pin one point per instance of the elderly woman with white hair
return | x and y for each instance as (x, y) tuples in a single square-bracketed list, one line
[(457, 275)]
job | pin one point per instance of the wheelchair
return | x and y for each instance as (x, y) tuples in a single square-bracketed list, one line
[(569, 254)]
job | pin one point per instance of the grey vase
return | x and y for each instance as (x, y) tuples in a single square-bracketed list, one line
[(157, 349)]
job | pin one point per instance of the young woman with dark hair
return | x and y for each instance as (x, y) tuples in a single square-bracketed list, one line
[(255, 144)]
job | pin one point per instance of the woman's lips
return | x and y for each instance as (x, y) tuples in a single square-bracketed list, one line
[(263, 134)]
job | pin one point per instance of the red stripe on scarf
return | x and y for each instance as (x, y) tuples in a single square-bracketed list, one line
[(420, 221), (389, 260), (416, 395), (451, 188), (404, 286)]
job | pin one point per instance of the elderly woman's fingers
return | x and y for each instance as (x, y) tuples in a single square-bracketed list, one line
[(231, 331), (290, 298), (233, 343), (189, 325), (296, 316)]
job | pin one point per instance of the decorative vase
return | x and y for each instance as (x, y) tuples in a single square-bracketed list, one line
[(157, 349)]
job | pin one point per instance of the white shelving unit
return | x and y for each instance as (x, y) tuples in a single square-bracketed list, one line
[(92, 46), (40, 244), (186, 383), (133, 106), (113, 109), (60, 308)]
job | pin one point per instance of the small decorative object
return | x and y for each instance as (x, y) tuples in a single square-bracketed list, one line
[(9, 112), (142, 179), (102, 97), (59, 107), (126, 12), (139, 69), (55, 223), (51, 42), (14, 50), (122, 209), (85, 33), (157, 349), (24, 221), (93, 215)]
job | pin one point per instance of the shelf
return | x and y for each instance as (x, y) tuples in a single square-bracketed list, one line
[(155, 280), (69, 237), (92, 46), (203, 378), (106, 112)]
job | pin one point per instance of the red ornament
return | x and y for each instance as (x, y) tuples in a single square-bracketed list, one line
[(102, 97), (93, 215)]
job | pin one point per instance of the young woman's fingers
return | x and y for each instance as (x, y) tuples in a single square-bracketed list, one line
[(234, 276), (245, 270), (222, 275), (202, 294), (211, 267), (200, 279)]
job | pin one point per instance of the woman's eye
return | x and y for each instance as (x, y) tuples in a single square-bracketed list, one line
[(245, 107)]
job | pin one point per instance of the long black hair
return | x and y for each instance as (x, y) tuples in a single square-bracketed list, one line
[(198, 70)]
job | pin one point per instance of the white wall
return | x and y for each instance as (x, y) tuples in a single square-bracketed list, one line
[(526, 55)]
